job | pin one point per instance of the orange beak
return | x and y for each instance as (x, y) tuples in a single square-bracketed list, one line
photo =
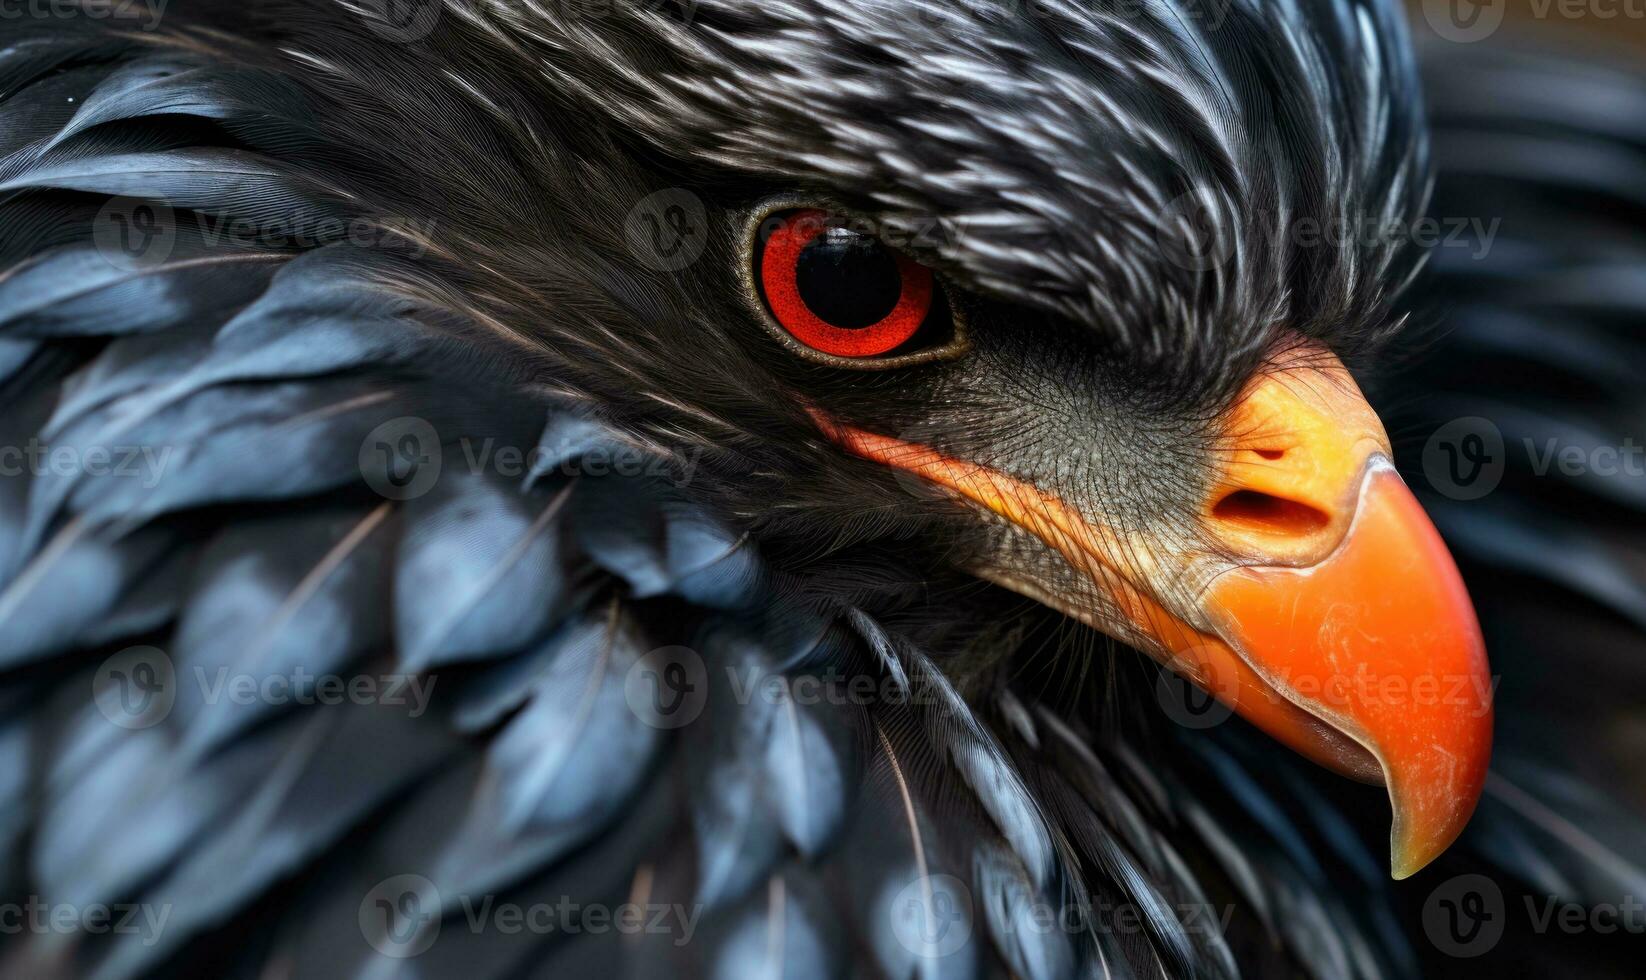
[(1328, 612)]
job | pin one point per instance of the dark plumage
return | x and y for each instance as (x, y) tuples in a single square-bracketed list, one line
[(380, 236)]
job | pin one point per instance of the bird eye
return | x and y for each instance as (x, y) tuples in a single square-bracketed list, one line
[(842, 295)]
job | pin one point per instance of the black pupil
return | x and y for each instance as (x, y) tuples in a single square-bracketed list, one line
[(848, 280)]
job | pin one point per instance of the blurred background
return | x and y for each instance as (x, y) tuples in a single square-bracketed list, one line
[(1538, 345), (1619, 24)]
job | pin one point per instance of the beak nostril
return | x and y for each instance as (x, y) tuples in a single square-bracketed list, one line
[(1268, 514), (1271, 453)]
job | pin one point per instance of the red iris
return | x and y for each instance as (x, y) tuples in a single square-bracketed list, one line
[(782, 281)]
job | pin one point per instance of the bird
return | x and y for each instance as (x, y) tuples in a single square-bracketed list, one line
[(869, 488)]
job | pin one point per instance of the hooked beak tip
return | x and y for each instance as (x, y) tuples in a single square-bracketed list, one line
[(1381, 643)]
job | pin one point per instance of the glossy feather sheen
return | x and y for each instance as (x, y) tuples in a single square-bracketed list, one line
[(796, 831)]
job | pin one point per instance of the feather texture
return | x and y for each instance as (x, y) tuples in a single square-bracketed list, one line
[(927, 822)]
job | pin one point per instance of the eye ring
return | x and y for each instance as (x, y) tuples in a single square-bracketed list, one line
[(772, 252)]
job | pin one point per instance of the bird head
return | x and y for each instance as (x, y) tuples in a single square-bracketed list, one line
[(1067, 289)]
